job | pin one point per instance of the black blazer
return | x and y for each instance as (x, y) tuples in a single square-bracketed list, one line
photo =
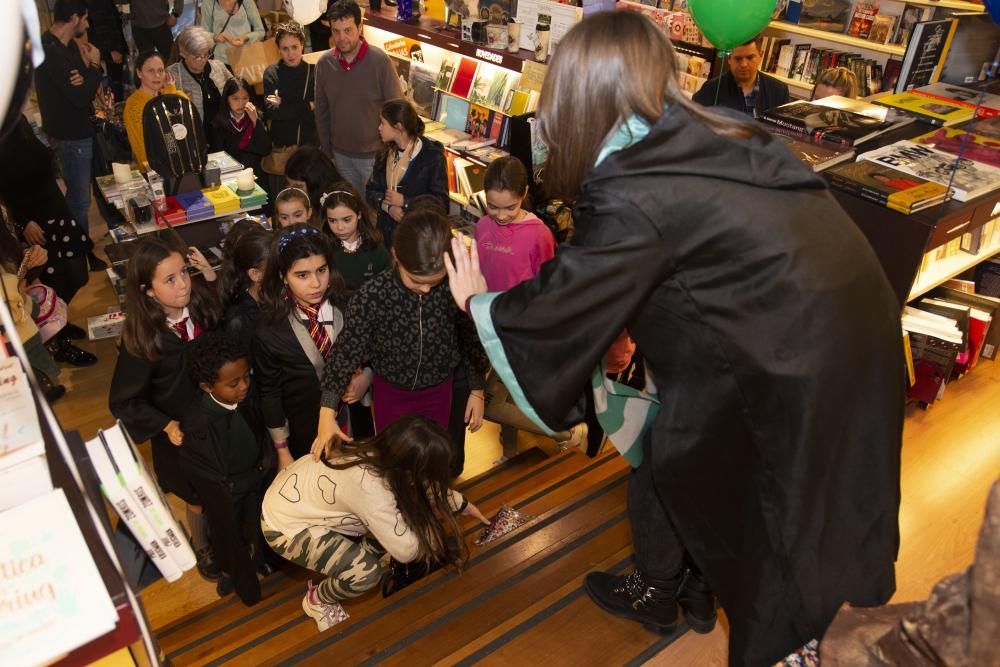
[(287, 383), (427, 174), (146, 395), (240, 322), (224, 139), (770, 93)]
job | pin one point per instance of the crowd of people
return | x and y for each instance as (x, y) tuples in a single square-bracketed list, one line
[(350, 347)]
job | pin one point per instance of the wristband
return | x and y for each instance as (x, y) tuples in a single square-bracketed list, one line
[(281, 445)]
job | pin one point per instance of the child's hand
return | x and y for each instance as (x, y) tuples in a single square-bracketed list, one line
[(173, 431), (464, 277), (198, 261), (284, 458), (473, 511), (357, 388), (251, 111), (475, 407), (328, 433)]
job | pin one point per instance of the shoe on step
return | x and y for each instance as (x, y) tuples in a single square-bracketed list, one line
[(207, 567), (698, 602), (654, 604), (224, 586), (52, 391), (325, 615)]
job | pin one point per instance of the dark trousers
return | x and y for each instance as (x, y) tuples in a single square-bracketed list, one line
[(456, 422), (659, 553), (159, 38)]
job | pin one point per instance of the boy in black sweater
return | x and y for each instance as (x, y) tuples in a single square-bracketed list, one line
[(228, 460)]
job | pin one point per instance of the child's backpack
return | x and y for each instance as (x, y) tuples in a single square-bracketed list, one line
[(174, 136)]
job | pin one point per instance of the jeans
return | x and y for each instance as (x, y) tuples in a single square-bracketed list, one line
[(356, 170), (75, 157), (659, 552)]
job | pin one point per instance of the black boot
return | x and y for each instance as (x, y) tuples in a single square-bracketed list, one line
[(52, 391), (207, 567), (653, 603), (698, 602), (64, 352), (95, 263)]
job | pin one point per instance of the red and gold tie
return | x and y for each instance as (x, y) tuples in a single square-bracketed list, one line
[(182, 330), (317, 331)]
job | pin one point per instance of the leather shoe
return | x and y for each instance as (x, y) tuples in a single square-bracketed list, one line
[(208, 568), (73, 332), (65, 352), (52, 391)]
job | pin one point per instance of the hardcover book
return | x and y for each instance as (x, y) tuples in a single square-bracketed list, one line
[(815, 154), (828, 15), (988, 104), (971, 179), (887, 186), (825, 123), (881, 29), (925, 53), (464, 77), (956, 141), (863, 18), (932, 110)]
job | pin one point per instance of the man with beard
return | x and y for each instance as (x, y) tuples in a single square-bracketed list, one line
[(743, 87), (66, 84), (353, 80)]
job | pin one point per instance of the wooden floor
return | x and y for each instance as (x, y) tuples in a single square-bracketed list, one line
[(520, 600)]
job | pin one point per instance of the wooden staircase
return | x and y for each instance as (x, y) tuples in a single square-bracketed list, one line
[(519, 600)]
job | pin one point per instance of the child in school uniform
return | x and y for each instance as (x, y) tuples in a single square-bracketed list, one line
[(238, 128), (240, 282), (349, 223), (339, 515), (412, 334), (297, 331), (291, 207), (512, 242), (151, 387), (227, 457)]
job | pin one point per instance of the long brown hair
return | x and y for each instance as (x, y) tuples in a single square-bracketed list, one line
[(628, 64), (345, 194), (413, 456), (146, 319)]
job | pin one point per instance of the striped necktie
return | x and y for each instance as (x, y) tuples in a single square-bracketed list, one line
[(317, 331)]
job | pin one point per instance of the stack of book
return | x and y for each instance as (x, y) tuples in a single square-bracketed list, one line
[(253, 200), (967, 177), (816, 154), (196, 205), (172, 213), (944, 103), (223, 199), (887, 187), (228, 165), (824, 122)]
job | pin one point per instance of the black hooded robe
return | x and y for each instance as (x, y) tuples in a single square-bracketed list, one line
[(774, 339)]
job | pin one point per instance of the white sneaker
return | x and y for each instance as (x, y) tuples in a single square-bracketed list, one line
[(325, 615)]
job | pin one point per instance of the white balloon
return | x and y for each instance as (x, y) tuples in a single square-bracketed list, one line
[(305, 12)]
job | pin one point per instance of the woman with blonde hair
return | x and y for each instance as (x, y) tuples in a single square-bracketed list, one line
[(835, 81), (767, 457)]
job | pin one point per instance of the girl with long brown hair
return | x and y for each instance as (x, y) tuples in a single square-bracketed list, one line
[(166, 308), (339, 515), (767, 452)]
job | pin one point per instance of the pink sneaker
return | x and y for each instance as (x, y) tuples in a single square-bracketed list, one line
[(325, 615)]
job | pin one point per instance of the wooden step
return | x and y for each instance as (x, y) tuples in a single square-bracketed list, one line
[(526, 582)]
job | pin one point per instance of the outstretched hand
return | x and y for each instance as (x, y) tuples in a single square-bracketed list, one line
[(464, 277), (328, 434)]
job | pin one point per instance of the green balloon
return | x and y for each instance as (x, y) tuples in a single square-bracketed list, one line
[(729, 23)]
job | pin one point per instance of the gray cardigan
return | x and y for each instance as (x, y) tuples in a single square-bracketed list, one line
[(186, 83)]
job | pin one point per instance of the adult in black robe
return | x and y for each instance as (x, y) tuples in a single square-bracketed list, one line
[(773, 337)]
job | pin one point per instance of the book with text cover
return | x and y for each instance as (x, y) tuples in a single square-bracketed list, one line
[(814, 153), (971, 179), (826, 123), (989, 305), (54, 599), (897, 118), (957, 141), (925, 53), (863, 18), (886, 186), (928, 109), (988, 104)]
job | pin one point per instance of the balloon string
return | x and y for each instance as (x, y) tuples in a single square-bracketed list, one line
[(718, 83), (964, 141)]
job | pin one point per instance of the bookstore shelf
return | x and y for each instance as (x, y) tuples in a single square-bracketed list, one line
[(945, 269), (791, 83), (948, 4), (485, 106), (784, 26)]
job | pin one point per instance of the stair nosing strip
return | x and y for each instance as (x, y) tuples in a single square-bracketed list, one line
[(541, 615)]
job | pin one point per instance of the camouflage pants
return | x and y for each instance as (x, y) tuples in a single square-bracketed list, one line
[(351, 567)]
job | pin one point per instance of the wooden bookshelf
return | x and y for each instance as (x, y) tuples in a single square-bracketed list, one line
[(478, 104), (942, 270), (791, 83), (836, 37)]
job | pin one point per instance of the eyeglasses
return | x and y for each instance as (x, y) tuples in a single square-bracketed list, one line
[(203, 56)]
